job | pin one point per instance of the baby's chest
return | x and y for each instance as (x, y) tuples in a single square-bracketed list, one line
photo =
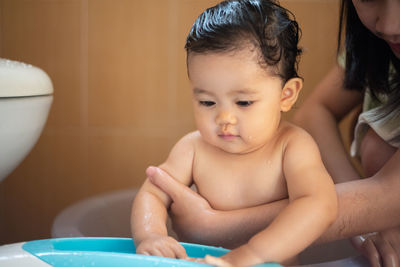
[(238, 184)]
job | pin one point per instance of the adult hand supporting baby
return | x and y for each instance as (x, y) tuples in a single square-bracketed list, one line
[(381, 249), (187, 207), (194, 220)]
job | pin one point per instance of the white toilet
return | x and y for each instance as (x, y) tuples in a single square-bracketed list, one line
[(26, 94)]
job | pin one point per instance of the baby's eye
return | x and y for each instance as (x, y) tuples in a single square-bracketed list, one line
[(244, 103), (207, 103)]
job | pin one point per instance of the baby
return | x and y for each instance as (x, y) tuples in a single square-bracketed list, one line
[(241, 62)]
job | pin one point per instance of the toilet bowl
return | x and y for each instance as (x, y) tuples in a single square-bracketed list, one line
[(26, 94)]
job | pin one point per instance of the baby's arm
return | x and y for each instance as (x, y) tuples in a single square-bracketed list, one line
[(149, 209), (312, 207)]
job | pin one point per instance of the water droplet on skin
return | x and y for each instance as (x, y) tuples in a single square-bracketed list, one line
[(147, 219)]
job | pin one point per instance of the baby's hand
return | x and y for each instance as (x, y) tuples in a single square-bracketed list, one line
[(211, 260), (220, 262), (162, 246)]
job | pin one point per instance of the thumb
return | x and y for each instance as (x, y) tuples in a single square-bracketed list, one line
[(165, 182), (357, 242)]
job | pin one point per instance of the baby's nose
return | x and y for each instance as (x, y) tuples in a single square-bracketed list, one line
[(225, 117)]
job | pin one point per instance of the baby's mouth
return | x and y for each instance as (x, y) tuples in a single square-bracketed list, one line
[(227, 136)]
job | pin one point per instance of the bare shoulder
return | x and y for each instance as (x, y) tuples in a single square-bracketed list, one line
[(180, 159), (293, 134), (299, 147), (303, 166), (192, 137), (188, 141)]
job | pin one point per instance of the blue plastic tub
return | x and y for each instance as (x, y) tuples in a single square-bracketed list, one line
[(101, 252)]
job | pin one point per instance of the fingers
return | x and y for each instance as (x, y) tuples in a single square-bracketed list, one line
[(392, 236), (216, 261), (211, 260), (378, 250), (166, 251), (370, 251), (162, 247), (173, 251), (366, 246), (165, 182), (357, 242), (180, 252), (386, 251)]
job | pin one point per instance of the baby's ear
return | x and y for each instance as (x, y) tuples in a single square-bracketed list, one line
[(290, 92)]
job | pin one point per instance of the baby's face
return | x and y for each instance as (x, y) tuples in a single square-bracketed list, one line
[(237, 103)]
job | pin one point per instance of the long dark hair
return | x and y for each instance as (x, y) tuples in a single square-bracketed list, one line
[(368, 60), (231, 24)]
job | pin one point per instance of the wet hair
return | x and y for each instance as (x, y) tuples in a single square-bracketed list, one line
[(233, 25), (368, 59)]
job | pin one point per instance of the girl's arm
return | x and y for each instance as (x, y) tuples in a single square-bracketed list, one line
[(320, 114), (368, 205), (364, 206)]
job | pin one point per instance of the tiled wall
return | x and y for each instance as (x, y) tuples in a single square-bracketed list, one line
[(121, 94)]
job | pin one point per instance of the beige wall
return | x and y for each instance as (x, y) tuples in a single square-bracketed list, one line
[(121, 94)]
